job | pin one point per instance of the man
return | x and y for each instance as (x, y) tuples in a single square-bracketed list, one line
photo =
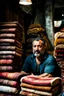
[(40, 62)]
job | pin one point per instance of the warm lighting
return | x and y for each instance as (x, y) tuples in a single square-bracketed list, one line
[(25, 2), (57, 23)]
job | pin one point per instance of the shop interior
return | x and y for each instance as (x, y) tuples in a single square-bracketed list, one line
[(16, 17)]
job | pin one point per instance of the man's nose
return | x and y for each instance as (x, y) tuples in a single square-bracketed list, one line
[(37, 48)]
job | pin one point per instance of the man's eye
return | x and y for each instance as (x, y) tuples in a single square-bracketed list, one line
[(39, 46)]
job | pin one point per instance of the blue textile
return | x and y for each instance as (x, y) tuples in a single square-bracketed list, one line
[(48, 65)]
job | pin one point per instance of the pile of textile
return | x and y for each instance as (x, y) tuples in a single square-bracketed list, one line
[(11, 52), (40, 86), (36, 30), (59, 51)]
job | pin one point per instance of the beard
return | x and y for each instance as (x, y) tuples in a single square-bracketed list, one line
[(37, 53)]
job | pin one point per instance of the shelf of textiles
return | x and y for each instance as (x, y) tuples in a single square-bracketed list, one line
[(35, 30), (59, 51), (38, 86), (11, 52)]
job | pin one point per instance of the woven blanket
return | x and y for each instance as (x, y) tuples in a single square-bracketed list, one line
[(10, 41), (10, 48), (10, 75), (35, 80), (36, 25), (11, 56), (9, 68), (11, 53), (8, 89), (58, 35), (10, 30), (10, 35), (59, 41), (26, 93), (59, 59), (36, 87), (9, 83), (59, 55), (44, 93), (59, 51), (10, 62), (5, 61), (6, 56), (35, 30), (60, 46), (8, 52)]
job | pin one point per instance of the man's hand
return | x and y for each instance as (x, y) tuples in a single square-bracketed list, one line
[(45, 75)]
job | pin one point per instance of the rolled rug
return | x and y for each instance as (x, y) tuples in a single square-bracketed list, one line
[(58, 35), (5, 31), (11, 48), (13, 24), (60, 46), (6, 61), (7, 89), (58, 41), (11, 75), (10, 35), (9, 56), (11, 53), (10, 40), (10, 83), (10, 61), (36, 25), (35, 30), (9, 68)]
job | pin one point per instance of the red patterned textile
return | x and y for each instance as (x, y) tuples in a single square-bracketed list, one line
[(45, 86), (9, 83), (13, 62), (11, 52), (5, 61), (35, 80), (10, 75)]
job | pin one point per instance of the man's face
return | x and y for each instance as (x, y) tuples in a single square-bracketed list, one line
[(38, 48)]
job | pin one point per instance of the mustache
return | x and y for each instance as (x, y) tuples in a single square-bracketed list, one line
[(37, 51)]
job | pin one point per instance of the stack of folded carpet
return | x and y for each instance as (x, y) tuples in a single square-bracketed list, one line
[(38, 86), (11, 52), (35, 30), (59, 51), (59, 45)]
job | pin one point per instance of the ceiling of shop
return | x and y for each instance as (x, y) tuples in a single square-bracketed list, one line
[(37, 4)]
